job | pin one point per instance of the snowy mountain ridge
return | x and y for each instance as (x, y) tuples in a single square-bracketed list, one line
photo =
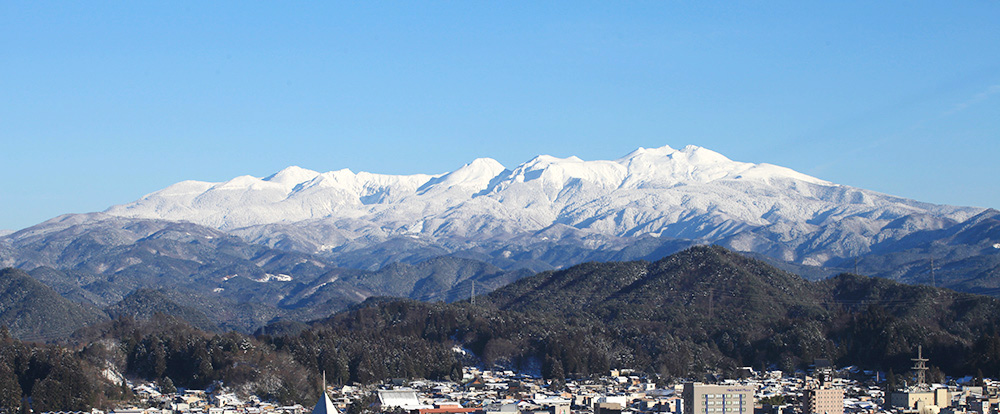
[(692, 193)]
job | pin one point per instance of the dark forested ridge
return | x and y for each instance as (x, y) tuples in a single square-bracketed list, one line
[(241, 286), (32, 310), (710, 305), (145, 303), (703, 309)]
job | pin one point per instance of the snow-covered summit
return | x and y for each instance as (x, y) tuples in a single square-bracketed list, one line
[(691, 193), (292, 175), (474, 176)]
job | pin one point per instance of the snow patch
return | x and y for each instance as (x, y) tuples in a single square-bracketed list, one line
[(281, 277), (111, 374)]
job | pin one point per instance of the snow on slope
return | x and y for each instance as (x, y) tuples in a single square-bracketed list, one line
[(693, 193)]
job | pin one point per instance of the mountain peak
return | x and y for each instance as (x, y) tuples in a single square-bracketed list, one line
[(702, 155), (693, 193), (690, 153), (488, 164), (474, 176), (642, 151), (292, 175)]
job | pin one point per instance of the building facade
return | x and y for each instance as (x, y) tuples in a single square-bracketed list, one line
[(823, 401), (717, 399)]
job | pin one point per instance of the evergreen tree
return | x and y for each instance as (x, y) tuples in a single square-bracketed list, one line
[(553, 370), (10, 390), (363, 405), (167, 386)]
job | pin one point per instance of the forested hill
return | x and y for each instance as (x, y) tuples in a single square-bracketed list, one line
[(705, 309), (708, 304), (32, 310), (702, 309)]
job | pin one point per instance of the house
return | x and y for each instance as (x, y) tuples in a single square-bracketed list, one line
[(402, 398)]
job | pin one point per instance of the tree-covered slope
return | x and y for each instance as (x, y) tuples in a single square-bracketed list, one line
[(144, 303), (32, 310), (705, 309), (700, 309)]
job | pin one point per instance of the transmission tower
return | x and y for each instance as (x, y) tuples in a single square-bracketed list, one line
[(920, 367)]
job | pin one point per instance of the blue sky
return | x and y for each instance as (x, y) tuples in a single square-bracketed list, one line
[(103, 102)]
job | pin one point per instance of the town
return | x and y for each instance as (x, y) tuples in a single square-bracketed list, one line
[(822, 390)]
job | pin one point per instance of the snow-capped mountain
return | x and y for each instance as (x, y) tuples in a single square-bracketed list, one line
[(301, 244), (693, 194)]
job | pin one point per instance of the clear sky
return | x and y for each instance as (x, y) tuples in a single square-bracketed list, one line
[(103, 102)]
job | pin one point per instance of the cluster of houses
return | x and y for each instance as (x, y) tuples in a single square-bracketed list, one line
[(824, 391), (219, 401)]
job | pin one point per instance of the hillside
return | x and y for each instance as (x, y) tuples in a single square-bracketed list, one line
[(700, 309), (145, 303), (33, 311), (237, 285), (704, 310)]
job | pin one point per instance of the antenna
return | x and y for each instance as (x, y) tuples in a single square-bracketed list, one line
[(920, 367)]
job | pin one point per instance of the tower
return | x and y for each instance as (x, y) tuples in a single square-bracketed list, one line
[(920, 367), (324, 405)]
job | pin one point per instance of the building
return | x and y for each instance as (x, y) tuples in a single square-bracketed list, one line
[(324, 405), (920, 395), (607, 408), (823, 401), (405, 399), (717, 399), (822, 398), (915, 398)]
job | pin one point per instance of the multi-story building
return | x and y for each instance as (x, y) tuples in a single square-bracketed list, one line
[(823, 401), (717, 399)]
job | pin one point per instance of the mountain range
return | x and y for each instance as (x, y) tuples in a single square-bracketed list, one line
[(301, 244), (692, 194)]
